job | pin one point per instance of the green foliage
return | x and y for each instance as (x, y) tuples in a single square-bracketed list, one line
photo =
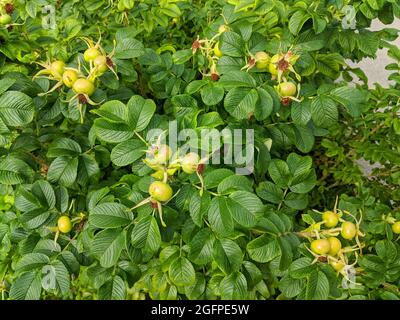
[(221, 235)]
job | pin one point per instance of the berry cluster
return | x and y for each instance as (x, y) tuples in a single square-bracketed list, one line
[(210, 49), (326, 240), (161, 159), (279, 65), (83, 84)]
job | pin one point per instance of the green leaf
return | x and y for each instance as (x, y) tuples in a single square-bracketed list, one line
[(319, 24), (16, 108), (234, 287), (351, 98), (146, 234), (304, 138), (182, 56), (112, 111), (317, 286), (140, 112), (375, 4), (199, 206), (63, 170), (388, 13), (209, 120), (301, 112), (274, 223), (64, 147), (296, 201), (181, 272), (269, 191), (62, 277), (70, 261), (184, 196), (213, 178), (110, 215), (372, 263), (241, 102), (286, 244), (128, 48), (87, 169), (243, 5), (220, 217), (263, 249), (306, 184), (237, 79), (14, 171), (196, 290), (31, 261), (72, 28), (170, 293), (386, 250), (264, 105), (297, 20), (245, 29), (98, 196), (301, 268), (228, 255), (324, 111), (212, 94), (291, 287), (195, 85), (279, 172), (113, 289), (231, 44), (5, 84), (4, 229), (299, 166), (184, 101), (3, 127), (127, 152), (171, 10), (35, 218), (312, 45), (112, 132), (47, 247), (44, 193), (92, 5), (167, 255), (27, 286), (201, 247), (329, 64), (107, 246), (234, 183), (252, 273), (244, 208)]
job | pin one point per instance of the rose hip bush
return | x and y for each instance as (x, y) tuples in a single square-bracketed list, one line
[(91, 208)]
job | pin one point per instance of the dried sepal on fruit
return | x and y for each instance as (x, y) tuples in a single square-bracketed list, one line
[(52, 70), (98, 59), (281, 64)]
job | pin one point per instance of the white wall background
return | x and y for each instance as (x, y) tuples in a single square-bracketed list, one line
[(376, 73), (375, 68)]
